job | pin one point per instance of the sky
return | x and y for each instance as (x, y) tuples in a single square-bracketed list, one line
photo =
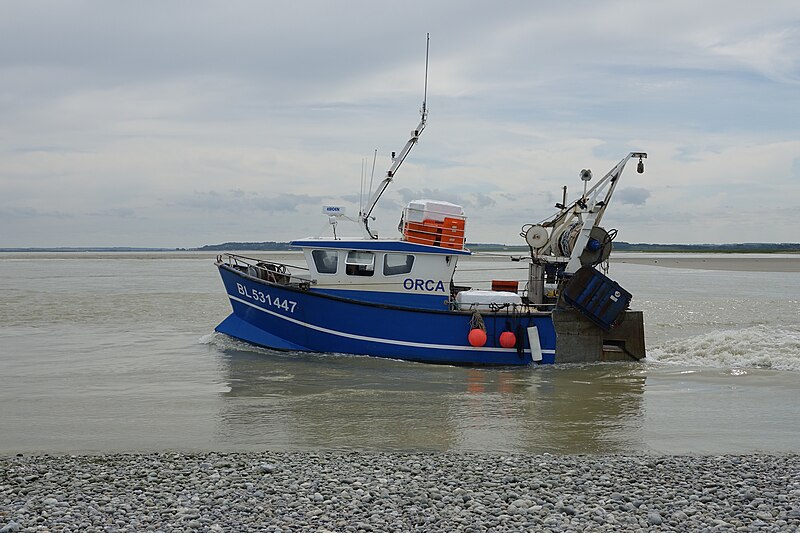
[(184, 123)]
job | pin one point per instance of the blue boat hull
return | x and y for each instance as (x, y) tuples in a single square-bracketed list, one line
[(287, 318)]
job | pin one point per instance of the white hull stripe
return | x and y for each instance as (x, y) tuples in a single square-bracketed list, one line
[(377, 339)]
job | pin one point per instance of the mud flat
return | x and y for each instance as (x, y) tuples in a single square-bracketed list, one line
[(269, 491), (754, 263)]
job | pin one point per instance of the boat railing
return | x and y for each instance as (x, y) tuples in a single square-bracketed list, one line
[(272, 271)]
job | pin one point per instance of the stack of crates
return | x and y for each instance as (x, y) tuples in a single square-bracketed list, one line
[(453, 233), (434, 223), (426, 232)]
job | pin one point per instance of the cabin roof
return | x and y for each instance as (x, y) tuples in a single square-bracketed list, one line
[(379, 245)]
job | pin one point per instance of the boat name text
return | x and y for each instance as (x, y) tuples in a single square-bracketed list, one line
[(423, 285), (264, 298)]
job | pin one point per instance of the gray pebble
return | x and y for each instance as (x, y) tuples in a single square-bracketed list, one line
[(326, 491), (654, 518)]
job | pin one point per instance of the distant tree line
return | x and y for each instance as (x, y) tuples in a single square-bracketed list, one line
[(621, 246), (269, 246), (745, 247)]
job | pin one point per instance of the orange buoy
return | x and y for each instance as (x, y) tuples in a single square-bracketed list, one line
[(508, 339), (477, 337)]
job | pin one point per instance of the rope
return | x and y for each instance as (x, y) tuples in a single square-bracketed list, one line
[(476, 322)]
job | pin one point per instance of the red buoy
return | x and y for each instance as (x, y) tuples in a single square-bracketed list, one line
[(508, 339), (477, 337)]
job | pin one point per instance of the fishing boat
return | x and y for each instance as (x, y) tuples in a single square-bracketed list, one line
[(400, 297)]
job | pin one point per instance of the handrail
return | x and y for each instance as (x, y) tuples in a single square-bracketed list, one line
[(258, 260)]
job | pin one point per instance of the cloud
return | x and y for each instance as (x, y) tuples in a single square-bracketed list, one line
[(632, 196), (476, 199), (239, 201), (483, 200), (31, 212), (774, 54), (117, 212)]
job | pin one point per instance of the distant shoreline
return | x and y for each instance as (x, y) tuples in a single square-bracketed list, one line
[(731, 248)]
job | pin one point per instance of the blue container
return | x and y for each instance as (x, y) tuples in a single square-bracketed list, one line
[(598, 297)]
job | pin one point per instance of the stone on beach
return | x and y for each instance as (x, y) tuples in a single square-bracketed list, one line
[(271, 491)]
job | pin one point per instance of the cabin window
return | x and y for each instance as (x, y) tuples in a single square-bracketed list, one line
[(394, 264), (326, 261), (360, 263)]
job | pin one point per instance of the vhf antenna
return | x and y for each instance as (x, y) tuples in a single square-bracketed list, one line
[(425, 90), (397, 160)]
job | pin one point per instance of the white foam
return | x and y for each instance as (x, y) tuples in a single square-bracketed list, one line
[(209, 338), (760, 346), (223, 342)]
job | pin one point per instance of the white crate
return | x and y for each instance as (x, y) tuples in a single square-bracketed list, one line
[(420, 210)]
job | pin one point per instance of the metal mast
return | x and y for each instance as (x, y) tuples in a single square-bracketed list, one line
[(397, 160)]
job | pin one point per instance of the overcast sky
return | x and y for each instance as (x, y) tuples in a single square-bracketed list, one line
[(178, 124)]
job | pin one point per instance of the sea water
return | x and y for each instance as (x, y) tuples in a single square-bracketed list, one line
[(116, 352)]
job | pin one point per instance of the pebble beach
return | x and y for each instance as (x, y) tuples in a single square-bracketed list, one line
[(353, 492)]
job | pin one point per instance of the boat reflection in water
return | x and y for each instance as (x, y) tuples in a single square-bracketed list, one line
[(292, 401)]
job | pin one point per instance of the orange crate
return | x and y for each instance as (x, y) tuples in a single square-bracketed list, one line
[(426, 232), (453, 224), (430, 226), (420, 237), (503, 285), (453, 232), (433, 226), (452, 241)]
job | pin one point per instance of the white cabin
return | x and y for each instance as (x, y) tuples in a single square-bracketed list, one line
[(391, 272)]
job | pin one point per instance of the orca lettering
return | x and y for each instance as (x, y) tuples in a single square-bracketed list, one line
[(427, 285)]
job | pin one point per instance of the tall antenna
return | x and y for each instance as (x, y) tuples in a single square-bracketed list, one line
[(397, 159), (371, 176), (425, 90), (361, 193)]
